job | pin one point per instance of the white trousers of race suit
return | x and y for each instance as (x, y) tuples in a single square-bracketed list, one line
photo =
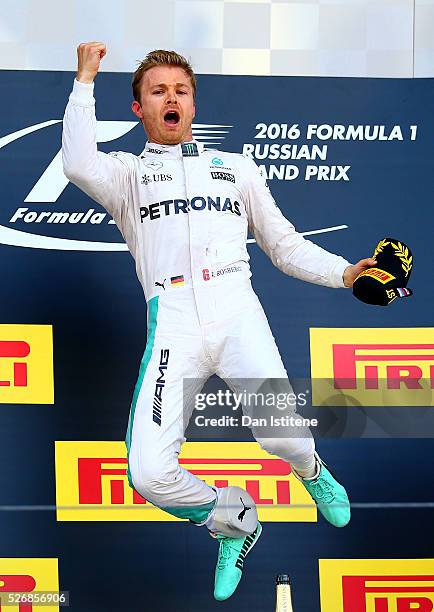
[(220, 328)]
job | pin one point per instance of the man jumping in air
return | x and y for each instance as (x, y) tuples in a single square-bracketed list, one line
[(186, 225)]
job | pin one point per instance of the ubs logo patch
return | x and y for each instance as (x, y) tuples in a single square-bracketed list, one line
[(155, 178)]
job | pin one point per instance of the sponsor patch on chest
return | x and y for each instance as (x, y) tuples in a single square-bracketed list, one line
[(155, 178), (179, 206), (223, 176)]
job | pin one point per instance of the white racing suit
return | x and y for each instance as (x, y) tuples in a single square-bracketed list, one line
[(185, 213)]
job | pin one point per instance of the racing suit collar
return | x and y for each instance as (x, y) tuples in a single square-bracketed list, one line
[(186, 149)]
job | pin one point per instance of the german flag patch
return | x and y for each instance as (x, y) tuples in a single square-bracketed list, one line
[(177, 280)]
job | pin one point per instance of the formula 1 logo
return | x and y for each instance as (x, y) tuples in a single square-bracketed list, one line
[(92, 484), (376, 585), (40, 217)]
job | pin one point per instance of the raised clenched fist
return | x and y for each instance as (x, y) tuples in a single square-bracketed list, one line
[(89, 55)]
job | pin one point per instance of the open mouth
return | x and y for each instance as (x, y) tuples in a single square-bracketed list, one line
[(171, 118)]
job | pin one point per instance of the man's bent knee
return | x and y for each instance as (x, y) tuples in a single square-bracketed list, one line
[(150, 478)]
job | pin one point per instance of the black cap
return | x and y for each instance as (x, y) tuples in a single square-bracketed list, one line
[(282, 579), (382, 284)]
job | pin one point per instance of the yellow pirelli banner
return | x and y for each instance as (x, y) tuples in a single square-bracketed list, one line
[(376, 585), (26, 364), (26, 581), (372, 367), (92, 484)]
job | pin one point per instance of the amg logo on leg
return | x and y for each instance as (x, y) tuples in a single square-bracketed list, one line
[(159, 386)]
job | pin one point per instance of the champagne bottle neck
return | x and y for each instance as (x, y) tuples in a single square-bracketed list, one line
[(283, 598)]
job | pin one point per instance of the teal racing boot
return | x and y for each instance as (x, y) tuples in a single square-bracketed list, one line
[(229, 568), (330, 496)]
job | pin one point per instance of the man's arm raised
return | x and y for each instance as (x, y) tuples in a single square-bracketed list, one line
[(102, 177), (89, 59)]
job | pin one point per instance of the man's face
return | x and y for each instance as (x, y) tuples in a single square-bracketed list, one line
[(167, 106)]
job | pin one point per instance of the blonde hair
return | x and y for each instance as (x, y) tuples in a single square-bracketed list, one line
[(160, 57)]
